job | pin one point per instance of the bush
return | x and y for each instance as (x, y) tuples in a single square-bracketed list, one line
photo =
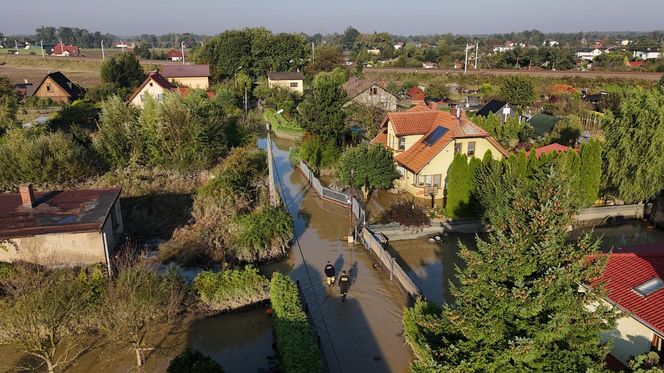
[(46, 159), (318, 154), (231, 288), (298, 350), (193, 361), (405, 213), (241, 173), (263, 234), (103, 91), (35, 102)]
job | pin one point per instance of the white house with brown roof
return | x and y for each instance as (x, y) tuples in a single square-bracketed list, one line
[(291, 80), (192, 76), (370, 93), (62, 228), (154, 85), (424, 143)]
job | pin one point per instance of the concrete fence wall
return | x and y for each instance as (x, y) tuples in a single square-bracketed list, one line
[(635, 211)]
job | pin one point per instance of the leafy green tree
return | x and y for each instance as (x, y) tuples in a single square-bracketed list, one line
[(372, 168), (8, 105), (117, 131), (193, 361), (317, 153), (634, 138), (438, 88), (226, 53), (349, 38), (645, 363), (518, 307), (326, 59), (518, 90), (123, 70), (322, 109), (461, 186), (262, 234), (444, 53), (590, 173), (509, 134), (366, 117)]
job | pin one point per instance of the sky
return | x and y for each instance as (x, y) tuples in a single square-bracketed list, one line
[(401, 17)]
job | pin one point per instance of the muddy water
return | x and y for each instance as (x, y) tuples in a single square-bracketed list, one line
[(240, 342), (628, 233), (432, 266), (364, 333)]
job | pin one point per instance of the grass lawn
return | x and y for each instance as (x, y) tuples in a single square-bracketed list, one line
[(279, 123)]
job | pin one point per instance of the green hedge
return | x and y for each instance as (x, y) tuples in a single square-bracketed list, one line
[(231, 289), (296, 343)]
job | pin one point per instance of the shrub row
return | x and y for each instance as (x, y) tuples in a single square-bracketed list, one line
[(231, 289), (298, 350)]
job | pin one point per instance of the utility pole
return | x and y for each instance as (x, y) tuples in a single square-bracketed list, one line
[(270, 167), (477, 52), (351, 236), (41, 43), (103, 56), (465, 64), (122, 45), (16, 45), (182, 48)]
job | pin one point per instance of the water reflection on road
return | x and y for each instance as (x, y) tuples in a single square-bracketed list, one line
[(363, 334)]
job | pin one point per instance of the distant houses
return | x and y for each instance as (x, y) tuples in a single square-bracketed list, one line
[(157, 86), (290, 80), (416, 95), (68, 50), (175, 55), (370, 93), (60, 228), (424, 143), (588, 54), (497, 107), (648, 54)]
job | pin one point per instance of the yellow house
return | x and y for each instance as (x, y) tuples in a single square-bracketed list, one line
[(64, 228), (291, 80), (192, 76), (424, 142)]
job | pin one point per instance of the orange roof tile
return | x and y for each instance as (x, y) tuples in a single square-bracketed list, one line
[(555, 147), (381, 138)]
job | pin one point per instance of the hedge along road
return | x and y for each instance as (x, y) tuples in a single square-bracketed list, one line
[(536, 73), (364, 333)]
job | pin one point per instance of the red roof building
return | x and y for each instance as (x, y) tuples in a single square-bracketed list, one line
[(555, 147), (634, 283), (417, 95), (175, 55), (66, 50)]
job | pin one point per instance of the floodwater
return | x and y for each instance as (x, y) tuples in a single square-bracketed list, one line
[(432, 266), (364, 333), (240, 342)]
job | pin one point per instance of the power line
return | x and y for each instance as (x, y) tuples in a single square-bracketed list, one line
[(304, 262)]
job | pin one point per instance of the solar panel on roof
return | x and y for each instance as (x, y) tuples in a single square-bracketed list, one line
[(435, 135)]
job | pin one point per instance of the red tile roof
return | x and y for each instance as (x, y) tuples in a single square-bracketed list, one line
[(381, 138), (626, 270), (174, 53), (555, 147), (72, 49), (635, 63), (185, 71), (421, 120), (184, 92), (416, 93), (56, 212)]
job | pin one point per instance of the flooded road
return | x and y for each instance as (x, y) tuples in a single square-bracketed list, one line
[(628, 233), (364, 333)]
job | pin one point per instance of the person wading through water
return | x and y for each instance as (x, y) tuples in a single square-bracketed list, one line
[(344, 284), (329, 273)]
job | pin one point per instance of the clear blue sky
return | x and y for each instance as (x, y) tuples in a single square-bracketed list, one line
[(130, 17)]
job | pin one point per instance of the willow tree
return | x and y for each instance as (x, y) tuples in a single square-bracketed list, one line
[(634, 139), (518, 304)]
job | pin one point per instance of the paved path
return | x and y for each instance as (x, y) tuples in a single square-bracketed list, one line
[(363, 334)]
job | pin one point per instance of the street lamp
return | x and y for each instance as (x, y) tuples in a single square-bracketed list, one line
[(235, 74)]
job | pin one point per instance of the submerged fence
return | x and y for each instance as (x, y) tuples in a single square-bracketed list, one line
[(397, 274), (371, 243)]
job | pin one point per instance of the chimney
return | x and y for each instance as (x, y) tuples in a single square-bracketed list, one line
[(458, 112), (27, 195), (433, 105), (25, 81)]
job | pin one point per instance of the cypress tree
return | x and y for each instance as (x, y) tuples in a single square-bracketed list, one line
[(459, 186), (518, 307)]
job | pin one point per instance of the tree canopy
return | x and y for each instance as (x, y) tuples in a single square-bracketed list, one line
[(322, 110), (123, 70), (518, 306), (634, 139), (518, 90)]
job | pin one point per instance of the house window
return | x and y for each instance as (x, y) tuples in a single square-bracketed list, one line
[(151, 84), (471, 148), (436, 180), (160, 97), (427, 180), (457, 148), (48, 88), (650, 286), (373, 91), (294, 85), (142, 97), (402, 143)]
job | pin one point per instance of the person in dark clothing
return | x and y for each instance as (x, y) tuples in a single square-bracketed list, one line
[(329, 273), (344, 284)]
